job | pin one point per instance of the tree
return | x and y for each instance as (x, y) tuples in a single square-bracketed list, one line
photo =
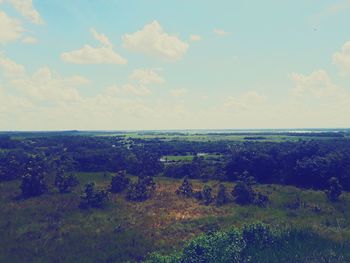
[(33, 181), (92, 198), (185, 189), (64, 182), (141, 190), (119, 182), (243, 192), (221, 198), (206, 193), (335, 189)]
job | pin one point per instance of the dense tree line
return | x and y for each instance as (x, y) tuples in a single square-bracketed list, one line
[(304, 163)]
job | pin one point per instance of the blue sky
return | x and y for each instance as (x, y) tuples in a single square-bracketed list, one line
[(181, 64)]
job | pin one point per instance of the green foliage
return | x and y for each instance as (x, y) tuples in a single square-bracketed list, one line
[(119, 182), (261, 199), (216, 247), (335, 190), (243, 194), (185, 189), (65, 182), (158, 258), (33, 185), (92, 198), (221, 197), (258, 235), (33, 181), (206, 193), (141, 190)]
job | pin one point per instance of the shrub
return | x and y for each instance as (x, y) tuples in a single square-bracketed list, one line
[(185, 188), (33, 185), (261, 200), (65, 183), (92, 198), (33, 181), (221, 198), (220, 246), (206, 193), (243, 193), (335, 189), (141, 190), (198, 195), (258, 235), (119, 182), (158, 258)]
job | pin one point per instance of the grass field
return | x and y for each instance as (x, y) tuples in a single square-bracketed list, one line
[(52, 228)]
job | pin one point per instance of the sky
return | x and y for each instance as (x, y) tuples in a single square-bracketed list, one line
[(180, 64)]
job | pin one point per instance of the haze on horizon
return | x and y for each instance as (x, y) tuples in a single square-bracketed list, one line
[(158, 64)]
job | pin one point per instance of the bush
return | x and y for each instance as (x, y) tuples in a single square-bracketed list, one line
[(33, 185), (221, 198), (119, 182), (141, 190), (65, 183), (185, 189), (335, 190), (206, 193), (198, 195), (258, 235), (217, 247), (33, 181), (158, 258), (261, 200), (243, 193), (92, 198)]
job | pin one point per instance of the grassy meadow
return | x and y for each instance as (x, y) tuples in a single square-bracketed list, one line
[(51, 228)]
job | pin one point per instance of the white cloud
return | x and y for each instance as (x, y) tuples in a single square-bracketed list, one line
[(195, 38), (221, 32), (245, 101), (178, 92), (146, 76), (152, 40), (25, 7), (10, 28), (92, 55), (29, 40), (333, 9), (342, 58), (48, 86), (95, 55), (317, 84), (10, 68), (102, 38)]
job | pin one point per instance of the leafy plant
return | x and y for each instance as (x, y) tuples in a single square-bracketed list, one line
[(221, 197), (92, 198), (119, 182), (185, 189), (335, 189)]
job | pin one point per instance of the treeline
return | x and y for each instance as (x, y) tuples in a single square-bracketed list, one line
[(304, 163)]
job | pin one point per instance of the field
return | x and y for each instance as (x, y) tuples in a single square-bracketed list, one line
[(51, 228)]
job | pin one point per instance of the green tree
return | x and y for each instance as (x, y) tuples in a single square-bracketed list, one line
[(65, 182), (221, 198), (335, 189), (119, 182), (92, 198), (206, 193), (243, 192), (141, 190), (185, 189), (33, 181)]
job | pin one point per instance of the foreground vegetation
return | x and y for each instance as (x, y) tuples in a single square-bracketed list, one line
[(51, 227)]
